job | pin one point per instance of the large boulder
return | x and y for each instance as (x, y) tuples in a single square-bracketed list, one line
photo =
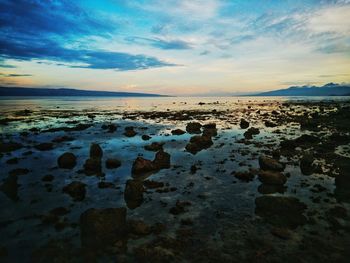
[(281, 211), (193, 127), (267, 163), (101, 229), (67, 160)]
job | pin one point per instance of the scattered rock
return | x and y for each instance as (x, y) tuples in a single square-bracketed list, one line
[(63, 139), (18, 171), (193, 127), (281, 211), (244, 176), (272, 177), (154, 146), (306, 164), (244, 124), (270, 124), (177, 132), (267, 163), (162, 160), (133, 193), (101, 229), (146, 137), (142, 165), (198, 143), (153, 184), (129, 131), (67, 160), (113, 163), (179, 208), (76, 190), (46, 146), (250, 132), (6, 147), (103, 185), (96, 151), (47, 178), (12, 161)]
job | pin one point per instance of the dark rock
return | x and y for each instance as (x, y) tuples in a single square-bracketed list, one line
[(10, 187), (179, 208), (272, 177), (96, 151), (193, 127), (67, 160), (19, 171), (244, 124), (153, 184), (101, 229), (154, 146), (270, 124), (244, 176), (306, 164), (198, 143), (210, 130), (59, 211), (281, 211), (271, 189), (63, 139), (46, 146), (267, 163), (103, 185), (129, 131), (6, 147), (47, 178), (113, 163), (76, 190), (133, 193), (283, 233), (12, 161), (139, 228), (142, 165), (250, 132), (177, 132), (146, 137), (93, 166), (162, 160)]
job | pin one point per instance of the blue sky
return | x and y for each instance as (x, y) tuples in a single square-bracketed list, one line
[(178, 47)]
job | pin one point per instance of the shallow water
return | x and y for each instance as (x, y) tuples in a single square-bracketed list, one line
[(222, 209)]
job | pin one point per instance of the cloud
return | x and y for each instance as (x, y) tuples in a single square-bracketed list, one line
[(160, 43), (53, 30)]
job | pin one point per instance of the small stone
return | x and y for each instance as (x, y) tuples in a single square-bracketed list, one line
[(306, 166), (244, 124), (96, 151), (113, 163), (272, 177), (129, 131), (177, 132), (267, 163), (154, 146), (193, 127), (67, 160), (76, 190), (46, 146)]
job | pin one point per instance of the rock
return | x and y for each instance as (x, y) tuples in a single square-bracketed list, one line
[(179, 207), (193, 127), (46, 146), (142, 165), (342, 180), (250, 132), (280, 232), (12, 161), (177, 132), (244, 124), (110, 127), (244, 176), (271, 189), (59, 211), (129, 131), (146, 137), (6, 147), (272, 177), (101, 229), (133, 193), (76, 190), (198, 143), (162, 160), (103, 185), (267, 163), (18, 171), (210, 130), (47, 178), (96, 151), (93, 166), (62, 139), (154, 146), (281, 211), (10, 187), (152, 184), (306, 164), (270, 124), (67, 160), (113, 163), (139, 228)]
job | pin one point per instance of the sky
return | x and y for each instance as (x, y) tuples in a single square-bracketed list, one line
[(174, 47)]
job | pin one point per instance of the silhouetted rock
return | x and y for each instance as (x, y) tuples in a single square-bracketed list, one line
[(198, 143), (145, 137), (9, 146), (129, 131), (154, 146), (162, 160), (267, 163), (193, 127), (138, 227), (93, 166), (95, 151), (270, 124), (133, 193), (250, 132), (113, 163), (244, 176), (10, 187), (281, 211), (142, 165), (306, 164), (177, 132), (46, 146), (67, 160), (76, 190), (244, 124), (272, 177)]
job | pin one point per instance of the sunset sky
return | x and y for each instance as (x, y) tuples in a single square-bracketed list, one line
[(174, 47)]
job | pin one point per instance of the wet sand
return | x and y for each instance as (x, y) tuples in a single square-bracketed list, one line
[(181, 181)]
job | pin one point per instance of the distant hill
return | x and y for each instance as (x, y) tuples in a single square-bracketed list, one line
[(330, 89), (21, 91)]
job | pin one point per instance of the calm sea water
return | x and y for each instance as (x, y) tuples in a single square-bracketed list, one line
[(137, 103)]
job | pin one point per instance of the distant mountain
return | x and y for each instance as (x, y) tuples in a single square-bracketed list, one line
[(330, 89), (21, 91)]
